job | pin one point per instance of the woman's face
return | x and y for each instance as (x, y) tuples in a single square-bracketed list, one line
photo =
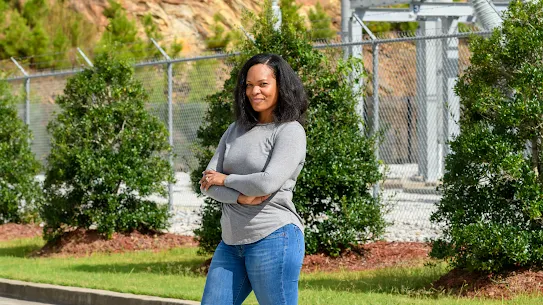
[(261, 91)]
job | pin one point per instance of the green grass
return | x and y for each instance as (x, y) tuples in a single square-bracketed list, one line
[(171, 274)]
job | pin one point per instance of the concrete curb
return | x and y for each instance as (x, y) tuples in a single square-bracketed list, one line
[(413, 187), (64, 295)]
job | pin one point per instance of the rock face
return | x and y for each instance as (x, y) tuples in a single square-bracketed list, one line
[(190, 21)]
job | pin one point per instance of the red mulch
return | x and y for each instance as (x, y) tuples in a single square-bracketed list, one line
[(370, 256), (85, 242), (496, 286), (10, 231)]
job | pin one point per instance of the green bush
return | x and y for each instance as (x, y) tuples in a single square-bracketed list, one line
[(492, 205), (20, 194), (108, 153), (333, 191)]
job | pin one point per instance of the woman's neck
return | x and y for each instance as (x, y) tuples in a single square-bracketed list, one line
[(265, 118)]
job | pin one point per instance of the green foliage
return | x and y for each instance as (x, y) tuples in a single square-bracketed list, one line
[(20, 194), (49, 29), (493, 187), (121, 35), (209, 234), (151, 30), (175, 48), (220, 39), (108, 153), (33, 11), (16, 42), (33, 29), (39, 42), (290, 12), (321, 24), (383, 27), (333, 191), (199, 85)]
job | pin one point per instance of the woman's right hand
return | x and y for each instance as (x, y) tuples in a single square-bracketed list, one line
[(251, 200)]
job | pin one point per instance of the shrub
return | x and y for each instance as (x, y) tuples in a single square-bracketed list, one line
[(333, 191), (108, 153), (20, 194), (493, 186)]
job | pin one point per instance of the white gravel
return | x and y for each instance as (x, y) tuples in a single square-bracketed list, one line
[(408, 217)]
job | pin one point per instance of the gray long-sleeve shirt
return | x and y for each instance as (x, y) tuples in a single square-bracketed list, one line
[(264, 160)]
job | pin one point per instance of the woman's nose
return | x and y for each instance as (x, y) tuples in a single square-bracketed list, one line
[(256, 90)]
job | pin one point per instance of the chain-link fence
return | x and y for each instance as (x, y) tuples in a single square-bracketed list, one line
[(409, 101), (417, 114)]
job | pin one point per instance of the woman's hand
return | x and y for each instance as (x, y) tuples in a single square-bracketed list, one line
[(251, 200), (210, 178)]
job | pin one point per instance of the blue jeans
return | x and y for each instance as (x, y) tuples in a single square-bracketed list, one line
[(270, 267)]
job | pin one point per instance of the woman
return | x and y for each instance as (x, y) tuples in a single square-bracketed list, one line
[(253, 173)]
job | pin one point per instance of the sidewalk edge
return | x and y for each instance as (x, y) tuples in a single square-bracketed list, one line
[(66, 295)]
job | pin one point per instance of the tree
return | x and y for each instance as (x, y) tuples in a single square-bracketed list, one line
[(220, 39), (333, 191), (107, 155), (20, 193), (36, 28), (121, 35), (33, 11), (321, 28), (492, 202), (290, 12), (16, 31)]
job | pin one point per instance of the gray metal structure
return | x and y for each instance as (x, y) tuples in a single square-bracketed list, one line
[(170, 115), (372, 10), (438, 107)]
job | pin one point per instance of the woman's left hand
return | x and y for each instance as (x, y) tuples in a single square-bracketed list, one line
[(210, 178)]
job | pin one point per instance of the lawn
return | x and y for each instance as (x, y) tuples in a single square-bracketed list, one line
[(170, 274)]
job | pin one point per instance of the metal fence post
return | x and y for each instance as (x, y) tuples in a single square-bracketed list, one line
[(27, 92), (85, 58), (345, 25), (251, 38), (375, 129), (170, 118), (27, 101), (375, 49)]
